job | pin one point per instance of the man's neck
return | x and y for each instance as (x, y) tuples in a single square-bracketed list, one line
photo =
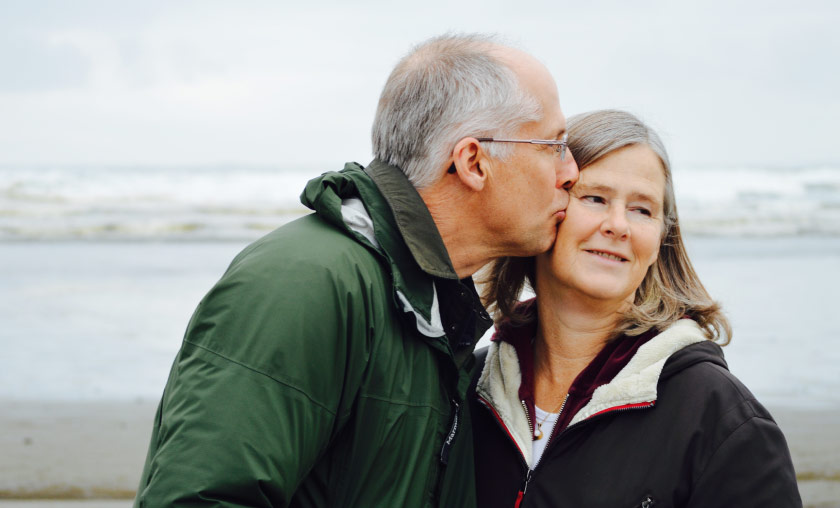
[(413, 219), (459, 229)]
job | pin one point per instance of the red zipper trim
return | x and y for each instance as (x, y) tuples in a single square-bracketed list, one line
[(502, 423), (625, 406)]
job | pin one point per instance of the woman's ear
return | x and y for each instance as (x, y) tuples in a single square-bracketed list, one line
[(467, 158)]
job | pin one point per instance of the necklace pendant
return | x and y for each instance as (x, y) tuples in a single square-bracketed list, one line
[(538, 433)]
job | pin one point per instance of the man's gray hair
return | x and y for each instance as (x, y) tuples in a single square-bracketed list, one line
[(444, 90)]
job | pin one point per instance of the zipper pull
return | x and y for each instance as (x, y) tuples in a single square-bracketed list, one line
[(521, 493), (527, 480), (450, 437)]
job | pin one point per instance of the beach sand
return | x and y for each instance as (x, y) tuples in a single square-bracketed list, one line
[(65, 454), (73, 450), (814, 442)]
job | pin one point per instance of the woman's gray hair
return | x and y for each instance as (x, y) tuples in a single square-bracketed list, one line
[(671, 288), (444, 90)]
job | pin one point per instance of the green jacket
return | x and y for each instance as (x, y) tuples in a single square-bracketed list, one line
[(328, 366)]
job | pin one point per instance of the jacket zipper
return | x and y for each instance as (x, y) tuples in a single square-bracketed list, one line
[(530, 473), (648, 502), (528, 417), (502, 426), (450, 436), (533, 429), (617, 409)]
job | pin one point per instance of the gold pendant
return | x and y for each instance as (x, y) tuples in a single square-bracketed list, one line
[(538, 434)]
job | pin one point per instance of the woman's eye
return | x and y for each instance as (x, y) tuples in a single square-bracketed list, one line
[(643, 211), (593, 199)]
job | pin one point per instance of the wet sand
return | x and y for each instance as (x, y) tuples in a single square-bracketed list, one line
[(73, 450), (813, 436), (66, 454)]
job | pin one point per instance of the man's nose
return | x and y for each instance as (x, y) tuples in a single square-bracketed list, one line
[(567, 171)]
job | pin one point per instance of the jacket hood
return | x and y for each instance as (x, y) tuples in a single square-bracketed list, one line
[(350, 200), (703, 351)]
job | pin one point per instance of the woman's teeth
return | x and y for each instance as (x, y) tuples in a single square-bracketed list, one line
[(608, 256)]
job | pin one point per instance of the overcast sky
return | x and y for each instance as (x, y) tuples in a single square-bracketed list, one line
[(196, 82)]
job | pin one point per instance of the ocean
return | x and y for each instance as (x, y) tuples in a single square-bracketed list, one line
[(102, 267), (234, 203)]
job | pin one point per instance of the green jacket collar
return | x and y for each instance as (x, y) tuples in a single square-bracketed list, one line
[(413, 219), (414, 290)]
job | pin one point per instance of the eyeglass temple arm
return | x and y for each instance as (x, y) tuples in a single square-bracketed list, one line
[(532, 141)]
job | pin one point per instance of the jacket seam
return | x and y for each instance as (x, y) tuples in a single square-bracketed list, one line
[(725, 440), (402, 403), (742, 402), (722, 372), (269, 376)]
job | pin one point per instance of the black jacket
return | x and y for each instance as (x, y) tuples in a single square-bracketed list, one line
[(701, 440)]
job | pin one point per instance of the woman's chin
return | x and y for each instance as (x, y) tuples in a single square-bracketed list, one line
[(606, 293)]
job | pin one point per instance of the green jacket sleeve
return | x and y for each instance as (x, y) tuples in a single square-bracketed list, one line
[(269, 368)]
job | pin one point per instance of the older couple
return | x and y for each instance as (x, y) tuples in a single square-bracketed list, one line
[(331, 364)]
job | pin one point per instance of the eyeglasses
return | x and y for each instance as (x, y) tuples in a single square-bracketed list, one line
[(559, 145)]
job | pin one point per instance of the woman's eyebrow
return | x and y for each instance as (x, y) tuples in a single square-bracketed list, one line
[(643, 196), (582, 187), (603, 188)]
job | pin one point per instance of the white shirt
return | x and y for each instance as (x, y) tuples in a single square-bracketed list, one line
[(549, 420)]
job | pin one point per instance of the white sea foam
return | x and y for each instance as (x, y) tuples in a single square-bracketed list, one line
[(147, 203), (242, 203), (759, 202)]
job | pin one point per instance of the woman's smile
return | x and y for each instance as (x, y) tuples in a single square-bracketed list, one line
[(608, 255)]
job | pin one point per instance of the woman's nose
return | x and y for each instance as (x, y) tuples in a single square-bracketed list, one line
[(615, 223)]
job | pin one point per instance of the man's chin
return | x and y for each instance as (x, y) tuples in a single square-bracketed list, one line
[(551, 239)]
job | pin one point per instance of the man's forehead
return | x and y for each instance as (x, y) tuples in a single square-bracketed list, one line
[(533, 75), (555, 127), (535, 79), (512, 57)]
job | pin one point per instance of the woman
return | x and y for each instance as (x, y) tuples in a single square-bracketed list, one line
[(609, 388)]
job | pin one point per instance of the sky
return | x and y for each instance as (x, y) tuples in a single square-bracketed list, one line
[(726, 83)]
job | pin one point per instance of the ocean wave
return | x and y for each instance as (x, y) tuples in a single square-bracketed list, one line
[(144, 228), (227, 202)]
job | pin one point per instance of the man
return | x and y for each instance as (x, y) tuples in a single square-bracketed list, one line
[(329, 365)]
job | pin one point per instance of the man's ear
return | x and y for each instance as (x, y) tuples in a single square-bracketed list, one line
[(467, 159)]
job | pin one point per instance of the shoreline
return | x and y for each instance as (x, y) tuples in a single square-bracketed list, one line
[(70, 451)]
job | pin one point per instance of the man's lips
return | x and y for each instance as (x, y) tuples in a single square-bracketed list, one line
[(560, 215)]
